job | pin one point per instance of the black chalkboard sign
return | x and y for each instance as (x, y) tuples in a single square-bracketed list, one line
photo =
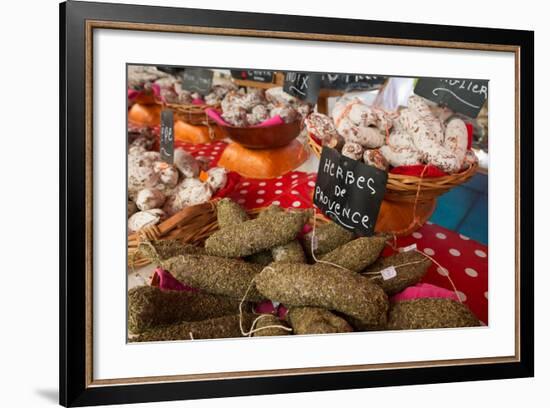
[(349, 192), (252, 75), (167, 136), (465, 96), (303, 86), (197, 80), (352, 82)]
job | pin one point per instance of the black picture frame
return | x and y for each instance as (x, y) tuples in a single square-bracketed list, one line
[(76, 387)]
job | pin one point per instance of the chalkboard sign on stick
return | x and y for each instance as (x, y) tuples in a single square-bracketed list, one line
[(197, 80), (303, 86), (252, 75), (167, 136), (465, 96), (349, 192), (351, 82)]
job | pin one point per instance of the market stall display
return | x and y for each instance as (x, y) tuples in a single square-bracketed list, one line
[(232, 222)]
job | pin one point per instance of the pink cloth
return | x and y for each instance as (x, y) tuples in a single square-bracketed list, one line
[(132, 94), (424, 290), (217, 117), (265, 306), (156, 91), (165, 281)]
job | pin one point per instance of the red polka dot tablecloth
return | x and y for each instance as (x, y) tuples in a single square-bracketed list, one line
[(462, 260)]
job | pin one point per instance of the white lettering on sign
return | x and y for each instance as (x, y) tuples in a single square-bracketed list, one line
[(348, 192), (348, 177)]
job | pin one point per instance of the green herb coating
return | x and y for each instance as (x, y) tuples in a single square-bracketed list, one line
[(428, 313), (249, 237), (407, 275), (270, 210), (270, 320), (166, 248), (220, 276), (357, 254), (217, 328), (291, 252), (324, 286), (315, 320), (230, 213), (329, 236), (150, 307)]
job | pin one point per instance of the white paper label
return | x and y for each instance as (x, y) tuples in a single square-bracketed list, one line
[(411, 247), (388, 273)]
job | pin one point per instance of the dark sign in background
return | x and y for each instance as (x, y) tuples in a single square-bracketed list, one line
[(351, 82), (253, 75), (197, 80), (349, 192), (303, 86), (167, 136), (465, 96)]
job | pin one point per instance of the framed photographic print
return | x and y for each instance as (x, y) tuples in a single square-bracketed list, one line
[(256, 204)]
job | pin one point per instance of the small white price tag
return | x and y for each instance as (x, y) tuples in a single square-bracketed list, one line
[(411, 247), (388, 273)]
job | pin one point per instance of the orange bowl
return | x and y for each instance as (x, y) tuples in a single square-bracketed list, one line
[(263, 137)]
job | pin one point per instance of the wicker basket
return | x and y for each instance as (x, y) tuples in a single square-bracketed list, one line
[(191, 225), (192, 114), (403, 188)]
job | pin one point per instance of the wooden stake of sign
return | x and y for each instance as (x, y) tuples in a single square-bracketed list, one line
[(349, 192)]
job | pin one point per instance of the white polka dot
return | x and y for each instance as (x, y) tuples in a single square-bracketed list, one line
[(276, 202), (417, 235), (486, 294), (464, 237), (461, 296), (212, 158), (217, 147), (241, 200), (260, 192), (260, 200), (294, 192), (442, 271), (263, 183), (246, 183), (480, 253), (441, 235), (243, 191), (296, 204), (294, 176), (454, 252), (278, 191), (471, 272), (278, 184), (201, 152), (280, 177), (429, 251), (311, 183)]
